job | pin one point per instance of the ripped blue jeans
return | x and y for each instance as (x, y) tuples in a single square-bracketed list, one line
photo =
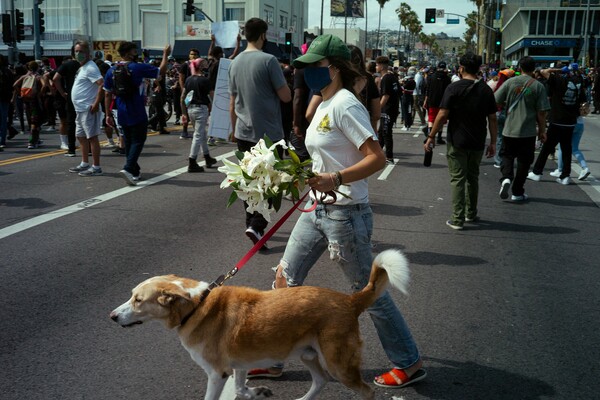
[(345, 233)]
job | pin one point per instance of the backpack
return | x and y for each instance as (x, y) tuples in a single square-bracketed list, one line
[(571, 95), (123, 81), (29, 88)]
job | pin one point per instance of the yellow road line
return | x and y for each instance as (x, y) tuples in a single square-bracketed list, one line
[(54, 152)]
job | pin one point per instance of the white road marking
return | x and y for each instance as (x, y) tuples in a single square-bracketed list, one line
[(387, 170), (94, 201)]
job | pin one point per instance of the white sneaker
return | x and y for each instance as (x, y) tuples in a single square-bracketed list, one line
[(556, 173), (519, 198), (534, 177), (64, 146), (404, 129), (583, 174), (128, 177), (564, 181), (504, 189)]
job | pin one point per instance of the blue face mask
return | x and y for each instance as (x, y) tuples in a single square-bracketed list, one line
[(317, 78)]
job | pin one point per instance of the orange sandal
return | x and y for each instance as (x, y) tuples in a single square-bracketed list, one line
[(397, 378)]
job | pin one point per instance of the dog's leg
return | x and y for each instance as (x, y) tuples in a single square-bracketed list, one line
[(310, 358), (215, 386), (345, 366), (243, 392)]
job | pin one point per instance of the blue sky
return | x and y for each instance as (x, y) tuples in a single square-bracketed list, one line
[(390, 20)]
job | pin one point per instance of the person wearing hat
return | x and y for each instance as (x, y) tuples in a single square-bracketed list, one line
[(345, 152), (437, 83)]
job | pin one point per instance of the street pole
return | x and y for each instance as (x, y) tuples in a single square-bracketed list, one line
[(8, 6), (37, 48), (583, 50)]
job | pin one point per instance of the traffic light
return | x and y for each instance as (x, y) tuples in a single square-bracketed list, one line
[(430, 15), (20, 25), (498, 43), (189, 7), (42, 23), (288, 42), (7, 36)]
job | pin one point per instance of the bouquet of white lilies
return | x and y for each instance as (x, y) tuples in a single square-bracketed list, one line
[(262, 178)]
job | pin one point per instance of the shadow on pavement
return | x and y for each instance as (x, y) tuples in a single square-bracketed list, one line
[(28, 203)]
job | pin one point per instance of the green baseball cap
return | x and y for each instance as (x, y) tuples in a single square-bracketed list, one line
[(323, 46)]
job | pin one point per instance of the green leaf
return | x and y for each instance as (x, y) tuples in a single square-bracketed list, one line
[(232, 199), (294, 156), (295, 192), (239, 155), (268, 141), (277, 201), (246, 176)]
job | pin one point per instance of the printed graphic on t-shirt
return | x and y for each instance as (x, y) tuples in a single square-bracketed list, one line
[(324, 125)]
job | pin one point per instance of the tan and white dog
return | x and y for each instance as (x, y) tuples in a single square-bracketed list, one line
[(233, 329)]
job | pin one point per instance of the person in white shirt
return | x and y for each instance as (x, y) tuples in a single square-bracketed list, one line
[(86, 96)]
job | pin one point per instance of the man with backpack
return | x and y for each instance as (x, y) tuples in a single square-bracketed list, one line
[(28, 87), (468, 103), (525, 102), (567, 93), (124, 81)]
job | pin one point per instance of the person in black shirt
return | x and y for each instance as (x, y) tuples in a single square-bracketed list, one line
[(436, 85), (197, 94), (63, 80), (468, 104), (567, 93), (408, 87), (389, 89)]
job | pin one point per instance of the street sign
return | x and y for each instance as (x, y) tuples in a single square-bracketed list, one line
[(452, 21), (497, 24), (439, 13)]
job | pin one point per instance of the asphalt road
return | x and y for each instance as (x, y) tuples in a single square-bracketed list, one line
[(506, 309)]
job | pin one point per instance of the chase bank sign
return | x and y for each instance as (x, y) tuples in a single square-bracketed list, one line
[(549, 43)]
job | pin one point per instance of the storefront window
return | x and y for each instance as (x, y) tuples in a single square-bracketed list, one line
[(551, 22), (560, 23), (533, 20), (542, 23), (108, 16)]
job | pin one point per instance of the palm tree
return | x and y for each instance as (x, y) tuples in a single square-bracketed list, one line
[(381, 4)]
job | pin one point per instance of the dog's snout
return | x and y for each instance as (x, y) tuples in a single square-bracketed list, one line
[(114, 316)]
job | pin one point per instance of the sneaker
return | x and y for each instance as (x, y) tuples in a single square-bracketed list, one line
[(255, 237), (32, 146), (137, 178), (211, 141), (109, 145), (534, 177), (67, 154), (64, 146), (496, 165), (523, 197), (440, 141), (79, 168), (91, 171), (584, 174), (454, 225), (564, 181), (182, 136), (556, 173), (390, 161), (474, 219), (405, 129), (265, 373), (504, 189), (128, 177)]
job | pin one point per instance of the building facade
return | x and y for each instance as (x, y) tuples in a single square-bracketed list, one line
[(551, 30), (108, 22)]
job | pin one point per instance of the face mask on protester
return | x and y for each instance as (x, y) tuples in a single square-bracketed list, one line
[(317, 78), (81, 57)]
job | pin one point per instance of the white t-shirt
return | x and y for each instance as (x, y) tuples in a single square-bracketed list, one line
[(340, 126), (85, 89)]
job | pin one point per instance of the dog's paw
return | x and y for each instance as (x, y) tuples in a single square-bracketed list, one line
[(261, 392)]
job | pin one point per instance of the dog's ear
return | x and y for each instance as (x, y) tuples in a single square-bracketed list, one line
[(168, 296)]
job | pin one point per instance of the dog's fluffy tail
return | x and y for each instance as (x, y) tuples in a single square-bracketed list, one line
[(390, 266)]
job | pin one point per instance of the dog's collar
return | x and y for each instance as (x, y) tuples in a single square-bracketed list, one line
[(203, 296)]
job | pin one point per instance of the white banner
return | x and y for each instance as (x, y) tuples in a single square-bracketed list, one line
[(220, 120)]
